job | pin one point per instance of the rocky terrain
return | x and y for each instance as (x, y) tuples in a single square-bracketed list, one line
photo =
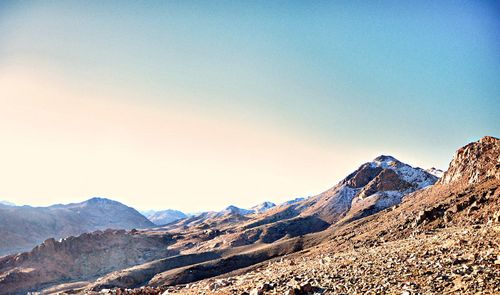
[(449, 260), (385, 228), (474, 162), (85, 256), (23, 227)]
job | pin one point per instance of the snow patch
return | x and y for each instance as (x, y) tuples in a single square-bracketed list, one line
[(436, 172)]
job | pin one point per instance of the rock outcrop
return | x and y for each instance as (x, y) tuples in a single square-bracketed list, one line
[(475, 162)]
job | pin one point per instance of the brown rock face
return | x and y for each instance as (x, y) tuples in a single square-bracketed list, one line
[(387, 180), (475, 162), (362, 176)]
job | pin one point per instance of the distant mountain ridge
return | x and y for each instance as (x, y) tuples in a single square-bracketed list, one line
[(23, 227), (164, 216)]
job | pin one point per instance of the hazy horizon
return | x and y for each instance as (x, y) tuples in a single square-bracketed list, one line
[(194, 106), (145, 209)]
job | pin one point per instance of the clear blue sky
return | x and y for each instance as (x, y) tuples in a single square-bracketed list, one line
[(339, 81)]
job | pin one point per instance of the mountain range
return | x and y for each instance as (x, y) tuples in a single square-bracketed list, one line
[(347, 239)]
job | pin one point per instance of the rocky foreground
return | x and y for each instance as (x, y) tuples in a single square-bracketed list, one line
[(448, 261)]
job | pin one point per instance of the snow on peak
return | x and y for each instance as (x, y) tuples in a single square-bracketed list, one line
[(436, 172), (417, 176), (384, 161)]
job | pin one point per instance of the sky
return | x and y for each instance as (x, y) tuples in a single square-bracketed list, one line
[(196, 105)]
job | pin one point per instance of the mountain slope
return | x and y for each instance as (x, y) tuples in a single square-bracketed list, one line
[(23, 227)]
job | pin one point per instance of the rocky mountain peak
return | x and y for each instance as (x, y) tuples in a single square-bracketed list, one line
[(475, 162), (374, 186), (384, 161), (365, 174)]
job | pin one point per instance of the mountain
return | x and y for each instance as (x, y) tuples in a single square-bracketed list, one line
[(7, 203), (23, 227), (165, 216), (262, 207), (374, 186)]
